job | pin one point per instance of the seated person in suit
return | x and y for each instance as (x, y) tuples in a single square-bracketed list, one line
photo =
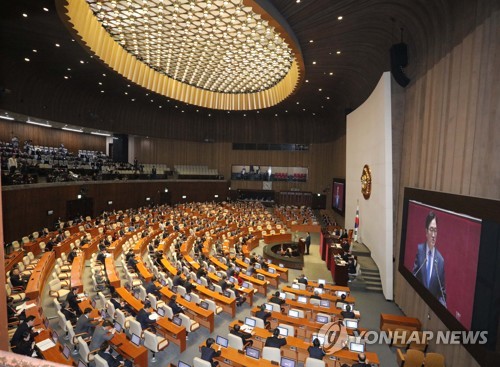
[(71, 256), (86, 324), (177, 279), (348, 314), (151, 287), (68, 313), (264, 315), (143, 316), (302, 279), (102, 333), (276, 299), (362, 361), (26, 326), (16, 280), (72, 300), (176, 309), (26, 346), (275, 341), (315, 295), (245, 337), (315, 350), (208, 353), (105, 353)]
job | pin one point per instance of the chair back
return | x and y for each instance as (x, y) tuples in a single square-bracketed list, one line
[(235, 341), (313, 362), (259, 322), (100, 362), (150, 341), (83, 350), (198, 362), (271, 354), (414, 358), (135, 327), (289, 328)]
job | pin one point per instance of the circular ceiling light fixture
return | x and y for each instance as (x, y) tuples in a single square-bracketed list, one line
[(220, 54)]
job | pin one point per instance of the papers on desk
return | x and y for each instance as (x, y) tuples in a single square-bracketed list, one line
[(154, 316), (24, 306), (45, 344), (81, 295), (246, 328)]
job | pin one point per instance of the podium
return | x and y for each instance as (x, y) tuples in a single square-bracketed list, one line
[(302, 245)]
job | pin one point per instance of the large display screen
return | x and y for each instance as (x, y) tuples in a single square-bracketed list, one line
[(338, 195), (255, 172), (450, 255), (442, 249)]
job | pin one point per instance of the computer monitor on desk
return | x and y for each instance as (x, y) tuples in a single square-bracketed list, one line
[(135, 339), (268, 307), (204, 305), (295, 286), (351, 323), (321, 281), (321, 338), (183, 364), (253, 352), (287, 362), (340, 293), (301, 299), (118, 327), (283, 331), (319, 290), (250, 322), (223, 342), (324, 303), (293, 313), (66, 351), (357, 347), (321, 319), (177, 320)]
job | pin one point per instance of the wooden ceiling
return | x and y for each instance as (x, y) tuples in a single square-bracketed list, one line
[(95, 97)]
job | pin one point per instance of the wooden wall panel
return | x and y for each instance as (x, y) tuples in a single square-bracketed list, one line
[(451, 137), (324, 161), (25, 207), (50, 137)]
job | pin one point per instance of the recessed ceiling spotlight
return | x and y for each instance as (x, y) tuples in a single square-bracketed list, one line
[(182, 111), (35, 51), (45, 9), (298, 1), (320, 89), (327, 97), (100, 83), (103, 74), (58, 45), (126, 93), (102, 91), (307, 80), (331, 73), (160, 106), (82, 62), (65, 77), (338, 52), (303, 109), (314, 62), (26, 59), (340, 17), (209, 114), (275, 114), (69, 69), (152, 100), (311, 41), (298, 102), (133, 99), (258, 111), (25, 15)]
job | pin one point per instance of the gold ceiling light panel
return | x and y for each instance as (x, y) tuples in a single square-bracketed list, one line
[(219, 54)]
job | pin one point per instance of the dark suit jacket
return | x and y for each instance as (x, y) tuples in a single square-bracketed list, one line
[(316, 352), (208, 354), (24, 348), (143, 318), (112, 361), (348, 315), (72, 300), (277, 300), (275, 342), (264, 315), (18, 334), (243, 335), (437, 282)]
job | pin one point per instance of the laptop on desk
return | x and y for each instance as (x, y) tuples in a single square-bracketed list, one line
[(223, 342), (249, 325)]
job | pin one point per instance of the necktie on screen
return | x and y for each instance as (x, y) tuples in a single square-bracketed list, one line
[(429, 267)]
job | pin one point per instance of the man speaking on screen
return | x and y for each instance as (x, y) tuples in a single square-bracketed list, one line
[(429, 263)]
